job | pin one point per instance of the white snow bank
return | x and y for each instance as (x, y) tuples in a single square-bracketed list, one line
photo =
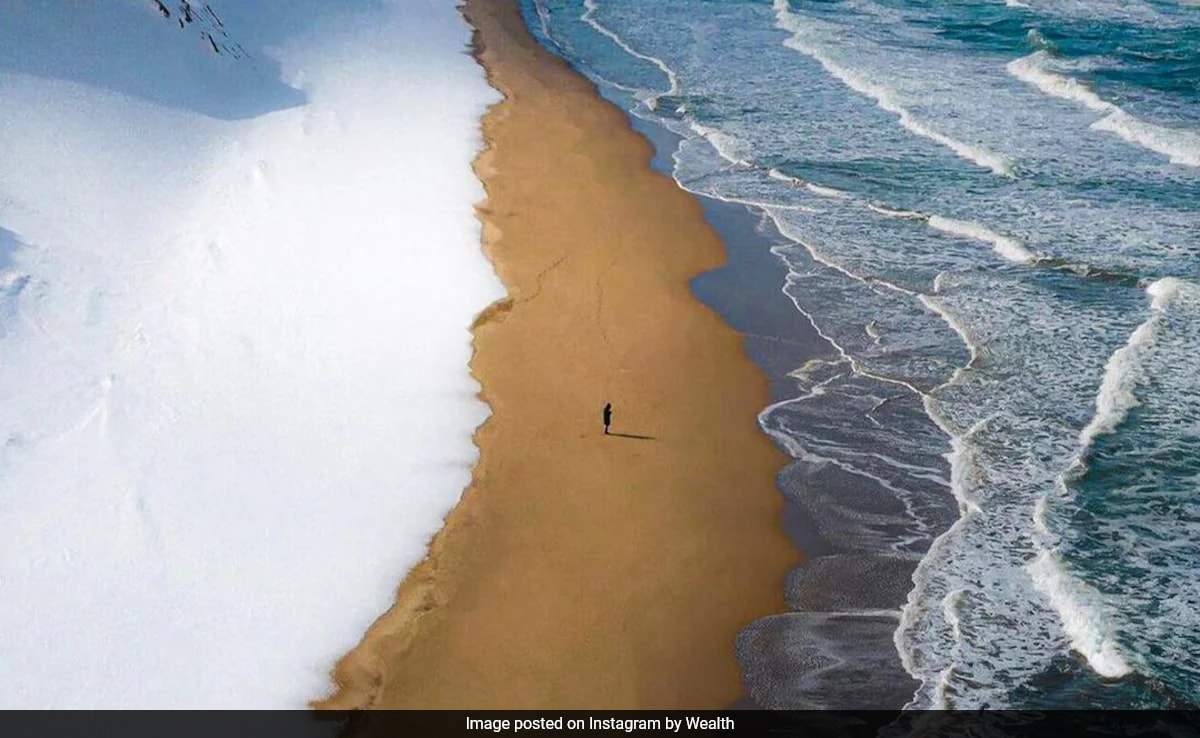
[(234, 402)]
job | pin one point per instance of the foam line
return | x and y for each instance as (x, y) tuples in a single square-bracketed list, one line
[(1007, 247), (883, 97), (1080, 607), (1125, 368), (1083, 615), (589, 17), (1179, 146)]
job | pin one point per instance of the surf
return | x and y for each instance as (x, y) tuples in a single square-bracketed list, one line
[(1180, 146), (801, 40)]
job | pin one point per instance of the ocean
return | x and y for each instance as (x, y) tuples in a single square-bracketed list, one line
[(975, 228)]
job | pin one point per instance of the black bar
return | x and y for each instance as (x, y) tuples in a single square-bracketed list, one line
[(598, 724)]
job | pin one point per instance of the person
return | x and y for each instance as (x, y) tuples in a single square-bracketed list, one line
[(607, 416)]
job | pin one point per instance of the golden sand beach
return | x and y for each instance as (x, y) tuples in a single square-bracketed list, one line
[(578, 570)]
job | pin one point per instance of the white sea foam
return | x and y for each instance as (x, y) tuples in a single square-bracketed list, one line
[(543, 14), (1080, 607), (1178, 145), (1128, 11), (776, 174), (812, 187), (950, 613), (1035, 39), (894, 213), (854, 363), (1009, 248), (1125, 368), (1041, 517), (965, 474), (234, 403), (823, 191), (802, 40), (589, 17), (1083, 614), (725, 145), (1032, 69)]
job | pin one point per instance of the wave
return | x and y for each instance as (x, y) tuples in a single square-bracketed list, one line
[(812, 187), (1124, 370), (1032, 70), (823, 191), (1083, 615), (1179, 146), (651, 100), (1005, 246), (1036, 40), (725, 145), (1136, 12), (1080, 607), (900, 214), (883, 97), (561, 47), (776, 174)]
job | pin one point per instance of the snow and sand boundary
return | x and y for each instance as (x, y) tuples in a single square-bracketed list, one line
[(582, 570)]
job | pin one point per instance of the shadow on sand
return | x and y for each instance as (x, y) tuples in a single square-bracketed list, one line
[(630, 435)]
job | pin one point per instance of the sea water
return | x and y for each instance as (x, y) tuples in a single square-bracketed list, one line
[(988, 213)]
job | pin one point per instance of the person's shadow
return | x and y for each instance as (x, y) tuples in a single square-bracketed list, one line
[(631, 435)]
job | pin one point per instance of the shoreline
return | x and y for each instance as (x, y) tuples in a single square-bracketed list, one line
[(830, 611), (838, 596), (579, 571)]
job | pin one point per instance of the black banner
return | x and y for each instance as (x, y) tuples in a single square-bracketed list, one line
[(599, 724)]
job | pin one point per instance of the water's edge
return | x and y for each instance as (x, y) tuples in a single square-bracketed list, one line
[(835, 647)]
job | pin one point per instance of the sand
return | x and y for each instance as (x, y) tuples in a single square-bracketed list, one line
[(579, 570)]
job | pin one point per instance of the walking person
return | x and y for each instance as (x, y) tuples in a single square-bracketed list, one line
[(607, 416)]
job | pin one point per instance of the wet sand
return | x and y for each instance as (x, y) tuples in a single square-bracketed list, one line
[(584, 571)]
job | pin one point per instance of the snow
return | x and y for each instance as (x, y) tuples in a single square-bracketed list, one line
[(235, 291)]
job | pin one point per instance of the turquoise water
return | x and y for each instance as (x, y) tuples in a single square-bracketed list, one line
[(989, 211)]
